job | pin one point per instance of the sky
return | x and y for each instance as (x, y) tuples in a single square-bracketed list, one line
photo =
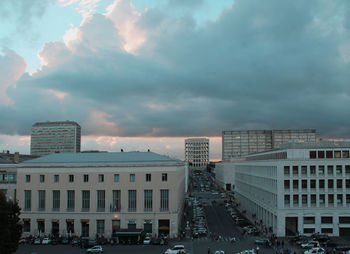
[(146, 74)]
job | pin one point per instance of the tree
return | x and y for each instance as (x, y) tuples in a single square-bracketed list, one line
[(10, 226)]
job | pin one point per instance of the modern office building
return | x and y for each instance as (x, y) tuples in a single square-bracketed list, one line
[(239, 143), (300, 188), (51, 137), (197, 152), (116, 195)]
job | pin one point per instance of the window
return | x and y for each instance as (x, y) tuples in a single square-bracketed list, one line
[(116, 200), (42, 178), (27, 178), (304, 199), (339, 183), (345, 220), (304, 184), (309, 230), (295, 184), (70, 200), (56, 178), (312, 170), (312, 184), (132, 177), (41, 200), (321, 184), (312, 154), (322, 199), (26, 225), (313, 199), (296, 199), (164, 200), (100, 225), (85, 200), (100, 178), (116, 178), (132, 224), (330, 199), (286, 184), (86, 178), (327, 230), (321, 170), (101, 200), (339, 170), (132, 201), (148, 177), (329, 154), (164, 177), (326, 220), (55, 200), (347, 169), (347, 198), (347, 183), (286, 199), (27, 200), (286, 170), (309, 220), (295, 170), (337, 154), (340, 199), (148, 199), (71, 178), (330, 184), (303, 170), (320, 154), (345, 154), (330, 170)]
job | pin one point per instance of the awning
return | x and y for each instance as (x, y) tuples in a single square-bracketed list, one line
[(163, 228), (69, 220), (55, 220), (26, 219), (40, 219), (84, 220), (121, 233)]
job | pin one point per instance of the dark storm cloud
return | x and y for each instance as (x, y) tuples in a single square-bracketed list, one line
[(261, 64)]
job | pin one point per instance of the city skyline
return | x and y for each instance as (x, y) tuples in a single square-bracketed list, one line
[(147, 74)]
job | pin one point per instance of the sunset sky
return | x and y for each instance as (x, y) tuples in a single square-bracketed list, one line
[(146, 74)]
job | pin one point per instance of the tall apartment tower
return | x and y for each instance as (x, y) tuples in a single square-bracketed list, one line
[(51, 137), (197, 152), (239, 143)]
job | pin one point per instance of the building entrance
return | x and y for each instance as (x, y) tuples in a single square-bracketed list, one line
[(291, 226)]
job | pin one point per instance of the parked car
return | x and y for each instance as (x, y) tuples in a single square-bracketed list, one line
[(45, 240), (147, 240), (219, 252), (331, 243), (95, 249), (156, 241), (177, 249), (262, 241), (310, 244), (37, 241), (54, 241), (64, 240), (315, 250)]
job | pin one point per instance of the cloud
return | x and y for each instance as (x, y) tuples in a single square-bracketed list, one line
[(261, 64)]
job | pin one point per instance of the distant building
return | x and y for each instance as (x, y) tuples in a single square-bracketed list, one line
[(120, 195), (239, 143), (52, 137), (197, 152), (301, 188)]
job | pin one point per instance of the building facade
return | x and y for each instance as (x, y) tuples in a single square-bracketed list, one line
[(298, 189), (51, 137), (239, 143), (102, 194), (197, 152)]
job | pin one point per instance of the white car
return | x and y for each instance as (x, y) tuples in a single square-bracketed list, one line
[(147, 240), (45, 241), (219, 252), (315, 250), (177, 249), (310, 245), (95, 249)]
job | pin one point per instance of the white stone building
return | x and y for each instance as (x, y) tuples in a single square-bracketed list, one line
[(299, 188), (51, 137), (105, 194), (240, 143), (197, 152)]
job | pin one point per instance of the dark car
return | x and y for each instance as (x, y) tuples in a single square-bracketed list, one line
[(156, 241), (331, 243), (65, 240), (75, 242), (54, 241)]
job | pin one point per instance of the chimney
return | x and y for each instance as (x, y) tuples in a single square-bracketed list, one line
[(148, 150), (16, 157), (121, 150)]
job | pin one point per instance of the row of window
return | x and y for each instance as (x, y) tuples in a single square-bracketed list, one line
[(115, 205), (329, 154), (100, 177), (326, 220), (321, 198), (321, 170), (322, 183)]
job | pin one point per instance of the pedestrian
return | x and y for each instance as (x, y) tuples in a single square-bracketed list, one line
[(208, 250), (257, 249), (282, 243)]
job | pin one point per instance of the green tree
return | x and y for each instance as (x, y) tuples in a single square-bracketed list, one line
[(10, 226)]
